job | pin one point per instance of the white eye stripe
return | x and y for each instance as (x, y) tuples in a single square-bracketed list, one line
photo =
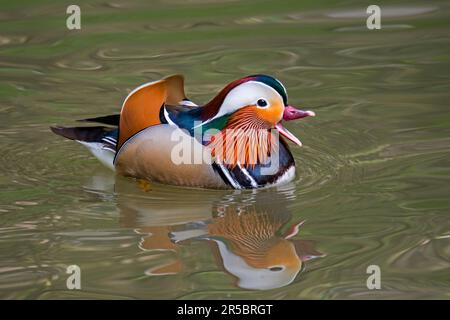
[(244, 94)]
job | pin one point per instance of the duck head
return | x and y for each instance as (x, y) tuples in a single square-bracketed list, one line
[(258, 101), (256, 104)]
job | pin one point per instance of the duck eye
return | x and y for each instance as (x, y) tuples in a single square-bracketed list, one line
[(276, 269), (261, 103)]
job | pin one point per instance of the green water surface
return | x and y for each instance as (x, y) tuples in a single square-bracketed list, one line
[(372, 177)]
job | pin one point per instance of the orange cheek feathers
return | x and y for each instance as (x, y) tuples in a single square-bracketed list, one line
[(273, 114)]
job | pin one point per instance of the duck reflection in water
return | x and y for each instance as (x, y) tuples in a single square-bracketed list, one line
[(250, 235), (251, 246)]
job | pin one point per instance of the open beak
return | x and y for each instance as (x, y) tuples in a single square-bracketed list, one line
[(286, 133), (292, 113)]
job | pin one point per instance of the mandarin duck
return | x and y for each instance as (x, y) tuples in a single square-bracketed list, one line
[(230, 142)]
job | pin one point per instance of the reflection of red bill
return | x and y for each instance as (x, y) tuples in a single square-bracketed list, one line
[(292, 113)]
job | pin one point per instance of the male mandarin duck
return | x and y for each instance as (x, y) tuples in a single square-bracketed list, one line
[(230, 142)]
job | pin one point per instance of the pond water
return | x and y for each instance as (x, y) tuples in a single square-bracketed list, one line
[(372, 179)]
